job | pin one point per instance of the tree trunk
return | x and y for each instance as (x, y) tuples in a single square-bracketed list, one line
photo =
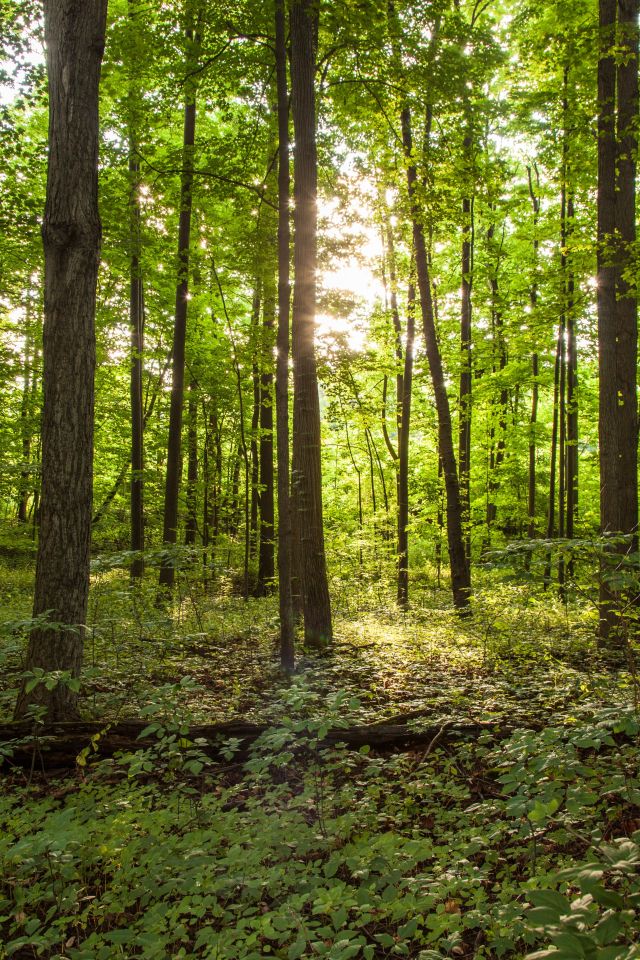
[(572, 396), (464, 426), (266, 557), (174, 446), (26, 426), (460, 575), (136, 322), (74, 36), (533, 419), (496, 456), (551, 510), (617, 306), (282, 357), (255, 415), (403, 455), (307, 457), (191, 527)]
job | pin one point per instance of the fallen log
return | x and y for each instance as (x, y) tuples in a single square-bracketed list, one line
[(58, 745)]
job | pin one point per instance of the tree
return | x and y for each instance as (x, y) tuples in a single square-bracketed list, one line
[(174, 446), (617, 304), (74, 34), (282, 359), (306, 417)]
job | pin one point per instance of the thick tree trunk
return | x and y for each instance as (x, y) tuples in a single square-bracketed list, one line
[(174, 446), (307, 456), (74, 35), (460, 575), (282, 358), (617, 306)]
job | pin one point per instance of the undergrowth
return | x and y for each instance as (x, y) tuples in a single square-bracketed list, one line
[(521, 840)]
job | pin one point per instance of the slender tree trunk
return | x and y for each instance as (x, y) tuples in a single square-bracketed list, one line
[(136, 322), (562, 450), (266, 555), (460, 574), (572, 396), (74, 37), (317, 605), (617, 306), (255, 415), (358, 473), (282, 358), (174, 447), (25, 416), (533, 419), (206, 499), (191, 527), (397, 326), (403, 455), (466, 367), (551, 511), (497, 454)]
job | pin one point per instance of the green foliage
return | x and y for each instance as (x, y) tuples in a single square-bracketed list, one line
[(307, 851)]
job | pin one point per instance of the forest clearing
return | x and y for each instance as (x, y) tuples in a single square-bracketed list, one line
[(319, 568)]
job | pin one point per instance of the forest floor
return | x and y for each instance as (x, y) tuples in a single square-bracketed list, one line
[(521, 836)]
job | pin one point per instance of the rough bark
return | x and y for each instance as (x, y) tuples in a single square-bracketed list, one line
[(617, 307), (307, 450), (74, 34)]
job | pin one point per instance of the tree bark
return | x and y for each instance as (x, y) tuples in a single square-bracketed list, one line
[(551, 509), (136, 322), (26, 405), (255, 416), (572, 393), (191, 526), (466, 371), (403, 455), (533, 418), (617, 306), (307, 450), (282, 357), (71, 232), (266, 555), (174, 446)]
